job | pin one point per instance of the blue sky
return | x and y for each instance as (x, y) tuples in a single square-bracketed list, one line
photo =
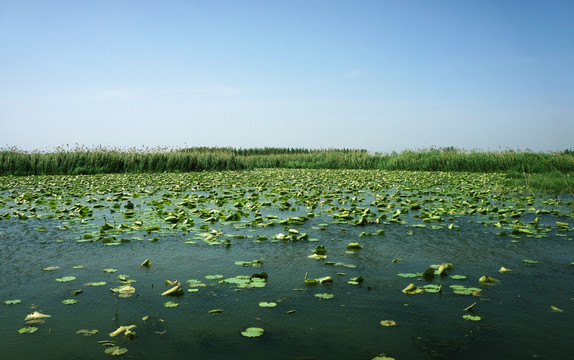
[(377, 75)]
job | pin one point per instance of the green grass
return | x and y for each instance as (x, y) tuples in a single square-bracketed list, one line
[(549, 172)]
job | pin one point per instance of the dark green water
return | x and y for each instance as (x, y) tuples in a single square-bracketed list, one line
[(517, 319)]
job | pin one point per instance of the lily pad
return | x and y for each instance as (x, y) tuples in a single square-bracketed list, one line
[(325, 296), (28, 330), (471, 317), (267, 304), (69, 301), (388, 323), (12, 302), (110, 270), (51, 268), (97, 283), (87, 332), (252, 332), (215, 311), (170, 304), (554, 308), (66, 279), (116, 350)]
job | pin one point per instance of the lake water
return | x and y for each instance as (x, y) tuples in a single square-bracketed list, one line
[(517, 320)]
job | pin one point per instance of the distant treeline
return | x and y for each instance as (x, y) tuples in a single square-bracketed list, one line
[(84, 160)]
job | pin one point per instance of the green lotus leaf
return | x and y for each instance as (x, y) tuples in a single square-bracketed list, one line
[(12, 302), (170, 304), (409, 275), (66, 279), (110, 270), (471, 317), (388, 323), (28, 330), (116, 350), (215, 311), (267, 304), (97, 283), (554, 308), (325, 296), (213, 277), (51, 268), (87, 332), (458, 277), (252, 332)]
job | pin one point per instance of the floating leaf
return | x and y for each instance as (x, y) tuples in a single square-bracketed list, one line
[(170, 304), (503, 270), (69, 301), (215, 311), (471, 317), (530, 261), (388, 323), (252, 332), (486, 280), (36, 315), (409, 275), (87, 332), (110, 270), (458, 277), (124, 329), (12, 302), (213, 277), (97, 283), (267, 304), (116, 350), (554, 308), (51, 268), (412, 289), (325, 296), (66, 279), (28, 330)]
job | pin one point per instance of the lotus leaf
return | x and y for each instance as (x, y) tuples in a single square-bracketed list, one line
[(325, 296), (51, 268), (66, 279), (87, 332), (146, 263), (267, 304), (412, 289), (471, 317), (554, 308), (252, 332), (110, 270), (215, 311), (388, 323), (116, 350), (122, 330), (69, 301), (12, 302), (170, 304), (28, 330), (36, 315), (97, 283)]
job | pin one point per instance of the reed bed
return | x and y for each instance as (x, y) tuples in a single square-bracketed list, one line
[(554, 169)]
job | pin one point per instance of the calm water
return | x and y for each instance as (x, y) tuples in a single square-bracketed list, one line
[(517, 320)]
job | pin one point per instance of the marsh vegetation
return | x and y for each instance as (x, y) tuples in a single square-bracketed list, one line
[(286, 263)]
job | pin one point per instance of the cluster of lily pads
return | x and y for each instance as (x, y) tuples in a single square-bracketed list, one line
[(222, 209)]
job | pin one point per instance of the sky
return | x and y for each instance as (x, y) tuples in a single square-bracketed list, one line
[(384, 76)]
